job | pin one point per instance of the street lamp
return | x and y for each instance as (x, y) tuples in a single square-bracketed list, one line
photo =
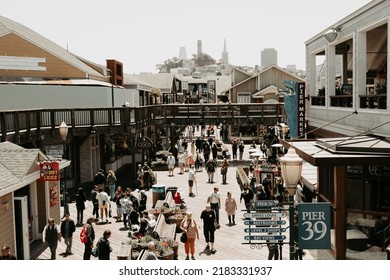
[(291, 165), (63, 129)]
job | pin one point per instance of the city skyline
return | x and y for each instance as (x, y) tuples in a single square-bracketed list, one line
[(144, 34)]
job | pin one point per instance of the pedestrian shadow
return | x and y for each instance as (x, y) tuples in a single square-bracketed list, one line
[(208, 252)]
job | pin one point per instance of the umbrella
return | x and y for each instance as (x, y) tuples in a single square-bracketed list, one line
[(277, 145), (163, 152), (253, 150)]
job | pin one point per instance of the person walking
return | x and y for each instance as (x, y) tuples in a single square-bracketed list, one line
[(241, 148), (67, 229), (234, 148), (191, 180), (90, 231), (188, 225), (52, 235), (214, 151), (111, 183), (224, 170), (118, 195), (211, 166), (208, 217), (214, 200), (230, 208), (171, 161), (180, 158), (104, 201), (95, 202), (100, 179), (80, 206), (127, 207), (247, 195), (103, 246)]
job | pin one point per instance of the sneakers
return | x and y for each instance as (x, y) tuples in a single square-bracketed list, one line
[(187, 258), (207, 248), (213, 251), (191, 195), (192, 258)]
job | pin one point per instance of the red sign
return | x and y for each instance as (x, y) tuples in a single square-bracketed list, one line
[(49, 171)]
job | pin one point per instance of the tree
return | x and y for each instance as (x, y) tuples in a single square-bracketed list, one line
[(169, 64), (203, 60)]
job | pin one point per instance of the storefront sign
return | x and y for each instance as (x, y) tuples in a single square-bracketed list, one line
[(53, 195), (49, 171)]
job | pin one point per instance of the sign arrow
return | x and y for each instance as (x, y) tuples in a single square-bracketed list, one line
[(265, 223), (265, 215), (263, 230), (265, 237)]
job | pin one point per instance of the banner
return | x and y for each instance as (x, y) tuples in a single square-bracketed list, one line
[(49, 171)]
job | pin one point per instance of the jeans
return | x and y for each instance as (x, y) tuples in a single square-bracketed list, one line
[(68, 242), (112, 191)]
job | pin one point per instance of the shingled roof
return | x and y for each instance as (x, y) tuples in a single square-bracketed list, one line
[(16, 163)]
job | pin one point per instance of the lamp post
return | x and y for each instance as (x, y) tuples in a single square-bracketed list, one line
[(291, 165), (63, 129)]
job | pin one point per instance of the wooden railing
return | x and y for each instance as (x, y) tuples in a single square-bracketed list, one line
[(27, 125)]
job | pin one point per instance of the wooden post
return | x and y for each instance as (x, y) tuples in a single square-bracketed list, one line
[(340, 213)]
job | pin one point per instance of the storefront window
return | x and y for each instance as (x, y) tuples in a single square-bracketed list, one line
[(369, 188)]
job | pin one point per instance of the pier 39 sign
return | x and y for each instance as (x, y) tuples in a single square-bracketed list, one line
[(314, 225)]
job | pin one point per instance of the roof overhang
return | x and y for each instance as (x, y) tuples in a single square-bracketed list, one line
[(343, 151)]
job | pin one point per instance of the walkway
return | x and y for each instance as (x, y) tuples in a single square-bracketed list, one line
[(228, 239)]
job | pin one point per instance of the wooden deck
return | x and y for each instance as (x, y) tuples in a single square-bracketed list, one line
[(228, 241)]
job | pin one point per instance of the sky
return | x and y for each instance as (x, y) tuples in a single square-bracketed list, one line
[(143, 33)]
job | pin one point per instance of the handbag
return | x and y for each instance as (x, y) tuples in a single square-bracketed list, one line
[(183, 237)]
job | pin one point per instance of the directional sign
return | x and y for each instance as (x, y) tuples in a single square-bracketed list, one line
[(265, 223), (265, 203), (265, 215), (265, 229), (265, 237)]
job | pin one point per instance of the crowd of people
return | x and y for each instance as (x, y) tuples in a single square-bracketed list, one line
[(131, 204)]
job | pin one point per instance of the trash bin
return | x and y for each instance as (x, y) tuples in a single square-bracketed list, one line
[(158, 193), (173, 190)]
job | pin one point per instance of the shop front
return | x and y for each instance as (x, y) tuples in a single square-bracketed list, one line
[(29, 195), (353, 174)]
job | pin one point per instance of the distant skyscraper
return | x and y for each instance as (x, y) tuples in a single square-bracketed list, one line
[(182, 53), (269, 57), (225, 54), (199, 48)]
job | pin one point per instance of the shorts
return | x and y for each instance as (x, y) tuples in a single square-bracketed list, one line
[(190, 183), (171, 166)]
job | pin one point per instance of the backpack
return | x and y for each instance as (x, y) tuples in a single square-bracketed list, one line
[(83, 235)]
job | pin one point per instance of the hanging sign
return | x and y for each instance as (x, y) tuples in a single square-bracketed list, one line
[(49, 171)]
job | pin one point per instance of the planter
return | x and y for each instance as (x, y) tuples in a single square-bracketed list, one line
[(168, 255), (177, 218)]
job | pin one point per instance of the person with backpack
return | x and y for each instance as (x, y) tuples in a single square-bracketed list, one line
[(52, 235), (90, 237)]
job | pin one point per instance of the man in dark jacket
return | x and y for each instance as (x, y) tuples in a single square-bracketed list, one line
[(67, 229), (52, 234), (103, 246), (247, 195)]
